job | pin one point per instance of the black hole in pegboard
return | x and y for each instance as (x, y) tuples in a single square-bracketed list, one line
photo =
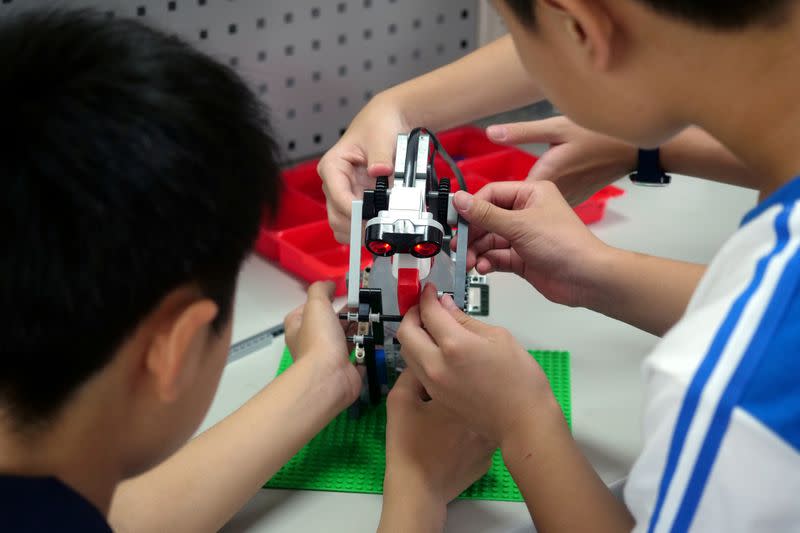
[(290, 82), (201, 2), (316, 75), (290, 114), (392, 59), (342, 131), (232, 29), (392, 28), (261, 23), (440, 18), (292, 145), (341, 7), (262, 56), (342, 70), (234, 62), (343, 101), (141, 11), (262, 88), (315, 12), (203, 34), (416, 54), (368, 96), (288, 17), (315, 44), (317, 107), (317, 138), (463, 44), (172, 6), (7, 1), (342, 39), (439, 49), (367, 65), (368, 34), (416, 24), (109, 14), (367, 3), (465, 13), (288, 50)]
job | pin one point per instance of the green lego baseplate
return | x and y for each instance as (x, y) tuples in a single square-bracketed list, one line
[(349, 455)]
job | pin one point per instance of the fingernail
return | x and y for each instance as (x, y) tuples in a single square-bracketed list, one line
[(447, 301), (463, 201), (498, 133)]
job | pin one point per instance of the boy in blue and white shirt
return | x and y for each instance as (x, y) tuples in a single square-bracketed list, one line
[(722, 414)]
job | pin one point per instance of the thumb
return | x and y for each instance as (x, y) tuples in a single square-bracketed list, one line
[(379, 160), (486, 215), (547, 131)]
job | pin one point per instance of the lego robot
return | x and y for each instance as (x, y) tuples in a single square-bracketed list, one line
[(408, 231)]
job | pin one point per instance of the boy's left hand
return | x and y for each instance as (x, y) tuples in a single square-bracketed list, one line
[(431, 458), (314, 332)]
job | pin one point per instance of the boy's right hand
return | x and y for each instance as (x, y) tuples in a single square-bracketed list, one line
[(529, 229), (364, 152), (314, 332)]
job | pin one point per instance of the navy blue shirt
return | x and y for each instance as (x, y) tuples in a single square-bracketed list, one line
[(39, 504)]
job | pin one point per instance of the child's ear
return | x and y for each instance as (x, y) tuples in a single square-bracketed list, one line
[(590, 26), (177, 351)]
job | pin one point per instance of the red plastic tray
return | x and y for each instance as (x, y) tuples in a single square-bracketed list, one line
[(299, 237), (294, 209), (312, 252)]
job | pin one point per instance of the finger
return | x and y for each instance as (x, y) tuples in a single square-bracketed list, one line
[(482, 214), (420, 352), (438, 321), (379, 159), (464, 320), (490, 241), (338, 175), (507, 260), (293, 321), (549, 131)]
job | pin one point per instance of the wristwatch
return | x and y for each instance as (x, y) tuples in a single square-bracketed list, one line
[(649, 171)]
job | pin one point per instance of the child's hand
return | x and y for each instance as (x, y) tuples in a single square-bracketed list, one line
[(528, 228), (314, 332), (579, 161), (477, 371), (431, 457), (364, 152)]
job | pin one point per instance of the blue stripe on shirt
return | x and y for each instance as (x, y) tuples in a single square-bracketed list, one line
[(731, 397), (698, 383)]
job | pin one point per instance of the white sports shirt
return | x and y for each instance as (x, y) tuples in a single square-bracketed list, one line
[(722, 411)]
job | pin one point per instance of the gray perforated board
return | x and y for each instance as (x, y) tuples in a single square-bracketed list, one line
[(315, 62)]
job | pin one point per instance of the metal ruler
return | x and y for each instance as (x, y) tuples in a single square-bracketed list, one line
[(252, 344)]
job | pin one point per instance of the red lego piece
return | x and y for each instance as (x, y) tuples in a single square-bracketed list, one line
[(408, 289)]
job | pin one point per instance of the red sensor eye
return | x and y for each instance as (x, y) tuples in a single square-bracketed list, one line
[(426, 249), (381, 248)]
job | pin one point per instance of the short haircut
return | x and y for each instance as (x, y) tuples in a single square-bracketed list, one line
[(718, 14), (131, 165)]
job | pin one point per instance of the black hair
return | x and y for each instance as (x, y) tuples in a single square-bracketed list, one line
[(718, 14), (131, 165)]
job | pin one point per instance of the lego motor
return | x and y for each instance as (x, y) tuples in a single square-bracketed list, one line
[(408, 230)]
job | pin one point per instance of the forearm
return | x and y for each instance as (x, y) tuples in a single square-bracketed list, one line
[(561, 489), (212, 477), (696, 153), (490, 80), (648, 292)]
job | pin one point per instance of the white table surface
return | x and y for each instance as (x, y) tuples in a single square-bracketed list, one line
[(688, 220)]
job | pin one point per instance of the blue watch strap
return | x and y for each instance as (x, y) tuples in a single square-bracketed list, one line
[(649, 171)]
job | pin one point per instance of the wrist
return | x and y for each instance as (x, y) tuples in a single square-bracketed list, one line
[(410, 504), (529, 432), (329, 384), (590, 275)]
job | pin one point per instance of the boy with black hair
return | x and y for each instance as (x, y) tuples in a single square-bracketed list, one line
[(135, 170), (722, 413)]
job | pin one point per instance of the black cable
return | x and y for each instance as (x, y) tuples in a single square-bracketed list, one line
[(437, 148)]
